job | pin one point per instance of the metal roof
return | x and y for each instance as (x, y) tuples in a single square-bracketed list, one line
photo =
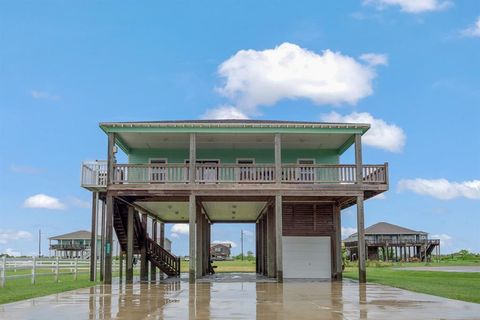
[(80, 234)]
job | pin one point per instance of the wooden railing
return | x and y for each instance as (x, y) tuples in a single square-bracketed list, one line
[(169, 263), (94, 174), (238, 173)]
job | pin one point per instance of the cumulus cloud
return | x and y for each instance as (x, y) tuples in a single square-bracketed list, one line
[(43, 201), (473, 31), (445, 239), (411, 6), (76, 202), (24, 169), (11, 235), (348, 231), (233, 244), (224, 112), (180, 228), (442, 188), (174, 235), (254, 78), (381, 134), (44, 95), (380, 196), (375, 59), (12, 252)]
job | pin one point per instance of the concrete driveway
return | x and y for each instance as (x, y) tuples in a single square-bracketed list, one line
[(241, 300)]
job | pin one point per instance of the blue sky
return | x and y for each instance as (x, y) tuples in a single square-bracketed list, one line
[(64, 67)]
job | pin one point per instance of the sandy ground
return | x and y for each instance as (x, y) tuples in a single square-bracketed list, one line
[(252, 298)]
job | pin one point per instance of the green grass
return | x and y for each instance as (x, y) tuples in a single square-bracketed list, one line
[(21, 288), (226, 266), (454, 285)]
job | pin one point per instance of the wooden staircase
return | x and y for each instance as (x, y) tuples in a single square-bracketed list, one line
[(156, 254)]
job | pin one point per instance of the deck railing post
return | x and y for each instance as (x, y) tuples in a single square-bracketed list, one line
[(57, 267), (75, 269), (34, 263), (4, 267)]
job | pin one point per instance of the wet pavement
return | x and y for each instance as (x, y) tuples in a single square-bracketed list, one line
[(240, 300), (444, 268)]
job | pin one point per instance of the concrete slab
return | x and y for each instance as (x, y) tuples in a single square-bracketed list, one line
[(241, 300), (444, 268)]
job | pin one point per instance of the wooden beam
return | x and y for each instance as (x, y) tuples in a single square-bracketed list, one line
[(93, 239), (279, 237), (102, 240), (143, 250), (153, 268), (193, 157), (362, 275), (109, 240), (271, 243), (337, 222), (278, 158), (192, 204), (129, 267), (358, 159), (199, 241), (110, 158)]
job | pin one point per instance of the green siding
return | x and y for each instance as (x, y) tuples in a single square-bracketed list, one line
[(138, 156)]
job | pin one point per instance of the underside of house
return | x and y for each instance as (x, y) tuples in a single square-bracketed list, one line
[(283, 176)]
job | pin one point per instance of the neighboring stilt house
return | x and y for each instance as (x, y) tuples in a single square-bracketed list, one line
[(284, 176), (71, 245), (390, 242)]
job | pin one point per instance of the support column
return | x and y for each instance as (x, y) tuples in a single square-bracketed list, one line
[(102, 240), (278, 237), (193, 157), (337, 223), (271, 242), (256, 248), (93, 239), (120, 266), (129, 267), (199, 241), (109, 240), (192, 212), (278, 158), (143, 250), (362, 275), (153, 268), (162, 234)]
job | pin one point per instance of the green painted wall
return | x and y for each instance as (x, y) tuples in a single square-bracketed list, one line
[(137, 156)]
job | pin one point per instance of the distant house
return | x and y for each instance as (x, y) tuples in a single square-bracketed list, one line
[(387, 241), (71, 245), (220, 251)]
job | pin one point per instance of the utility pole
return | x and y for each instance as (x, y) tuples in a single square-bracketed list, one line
[(241, 241), (39, 243)]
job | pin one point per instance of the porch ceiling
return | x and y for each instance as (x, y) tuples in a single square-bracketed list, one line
[(149, 140), (217, 211)]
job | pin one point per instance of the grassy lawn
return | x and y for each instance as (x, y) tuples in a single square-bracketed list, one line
[(20, 289), (455, 285), (227, 266)]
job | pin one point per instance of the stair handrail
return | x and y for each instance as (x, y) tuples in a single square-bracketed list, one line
[(165, 257)]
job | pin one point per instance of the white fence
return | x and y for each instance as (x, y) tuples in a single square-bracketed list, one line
[(14, 268)]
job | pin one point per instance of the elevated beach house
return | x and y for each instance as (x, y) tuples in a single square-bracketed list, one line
[(71, 245), (284, 176), (388, 241)]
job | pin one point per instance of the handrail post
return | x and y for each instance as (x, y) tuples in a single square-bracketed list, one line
[(57, 261), (4, 266), (34, 262), (76, 269)]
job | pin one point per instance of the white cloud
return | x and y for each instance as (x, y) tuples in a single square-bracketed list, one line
[(10, 235), (174, 235), (348, 231), (411, 6), (380, 135), (12, 252), (180, 228), (375, 59), (233, 244), (224, 112), (442, 188), (43, 201), (76, 202), (445, 239), (44, 95), (254, 78), (24, 169), (473, 31)]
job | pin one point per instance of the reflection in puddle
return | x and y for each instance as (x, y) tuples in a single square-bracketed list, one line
[(175, 299)]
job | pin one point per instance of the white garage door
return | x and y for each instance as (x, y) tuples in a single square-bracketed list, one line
[(306, 257)]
